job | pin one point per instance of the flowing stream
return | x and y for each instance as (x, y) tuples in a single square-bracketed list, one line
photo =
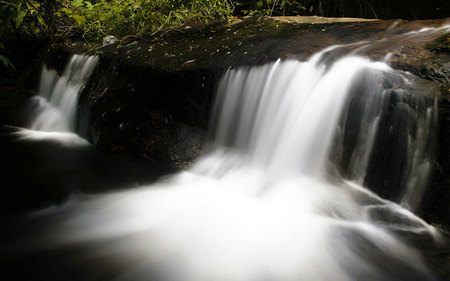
[(295, 185)]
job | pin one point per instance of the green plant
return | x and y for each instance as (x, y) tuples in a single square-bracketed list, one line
[(125, 17), (23, 18), (27, 17)]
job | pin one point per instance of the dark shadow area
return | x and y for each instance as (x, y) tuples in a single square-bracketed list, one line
[(40, 173)]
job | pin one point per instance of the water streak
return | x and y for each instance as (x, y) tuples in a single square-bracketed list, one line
[(58, 95)]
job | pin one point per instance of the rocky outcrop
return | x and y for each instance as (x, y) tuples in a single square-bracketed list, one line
[(153, 96)]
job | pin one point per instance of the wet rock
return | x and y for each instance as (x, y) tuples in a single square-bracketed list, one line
[(156, 114), (108, 40), (437, 200)]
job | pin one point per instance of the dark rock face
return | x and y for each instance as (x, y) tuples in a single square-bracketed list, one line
[(387, 167), (437, 200), (153, 113)]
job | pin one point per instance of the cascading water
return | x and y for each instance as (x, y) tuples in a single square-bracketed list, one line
[(280, 195), (386, 136), (58, 95)]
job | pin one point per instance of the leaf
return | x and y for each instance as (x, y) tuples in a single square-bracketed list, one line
[(30, 8), (66, 11), (20, 17), (41, 20), (77, 3), (88, 5), (81, 20), (7, 62)]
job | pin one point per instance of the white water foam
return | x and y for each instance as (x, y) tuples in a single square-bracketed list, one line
[(65, 138)]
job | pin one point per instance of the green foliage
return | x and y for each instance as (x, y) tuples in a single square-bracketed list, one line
[(23, 18), (125, 17), (28, 17)]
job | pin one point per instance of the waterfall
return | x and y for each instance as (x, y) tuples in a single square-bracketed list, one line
[(286, 191), (275, 113), (285, 116), (57, 99)]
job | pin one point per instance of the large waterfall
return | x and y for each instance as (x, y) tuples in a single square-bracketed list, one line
[(284, 117), (288, 189)]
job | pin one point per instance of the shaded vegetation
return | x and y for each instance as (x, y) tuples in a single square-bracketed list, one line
[(90, 21), (21, 19), (120, 18), (381, 9)]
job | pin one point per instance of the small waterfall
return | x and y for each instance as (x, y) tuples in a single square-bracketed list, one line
[(58, 95)]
